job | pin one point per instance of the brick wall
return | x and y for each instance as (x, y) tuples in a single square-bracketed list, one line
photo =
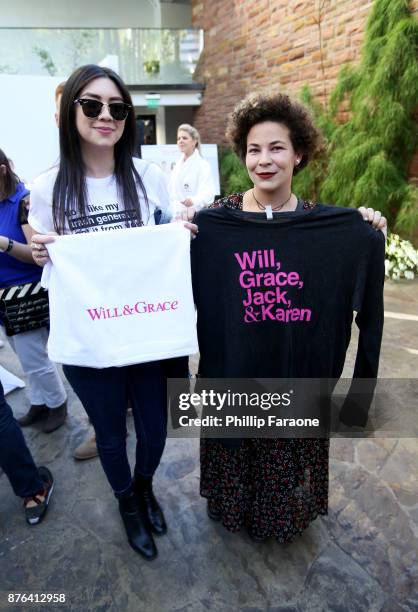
[(254, 45)]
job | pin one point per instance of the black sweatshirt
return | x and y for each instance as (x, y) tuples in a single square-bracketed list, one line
[(275, 298)]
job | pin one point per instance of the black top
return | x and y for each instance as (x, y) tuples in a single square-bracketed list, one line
[(275, 298)]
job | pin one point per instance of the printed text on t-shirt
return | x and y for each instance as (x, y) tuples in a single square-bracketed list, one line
[(268, 288), (101, 218)]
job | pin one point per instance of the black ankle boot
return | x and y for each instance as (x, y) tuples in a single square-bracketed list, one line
[(139, 536), (149, 505)]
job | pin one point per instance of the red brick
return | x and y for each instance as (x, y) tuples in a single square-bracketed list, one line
[(254, 45)]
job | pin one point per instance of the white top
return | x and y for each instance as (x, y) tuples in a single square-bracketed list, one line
[(105, 209), (191, 178)]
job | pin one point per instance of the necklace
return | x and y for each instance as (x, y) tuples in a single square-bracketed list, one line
[(269, 207)]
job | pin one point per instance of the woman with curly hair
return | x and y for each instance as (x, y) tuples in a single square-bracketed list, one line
[(276, 280)]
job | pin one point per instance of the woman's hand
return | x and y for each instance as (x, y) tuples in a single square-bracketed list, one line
[(39, 250), (193, 229), (187, 202), (375, 218), (186, 214)]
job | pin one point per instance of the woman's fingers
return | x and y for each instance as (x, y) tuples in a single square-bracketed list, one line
[(375, 218), (193, 229), (40, 259), (38, 247), (43, 238), (187, 202), (383, 226)]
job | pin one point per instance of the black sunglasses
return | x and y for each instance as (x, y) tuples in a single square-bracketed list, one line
[(93, 108)]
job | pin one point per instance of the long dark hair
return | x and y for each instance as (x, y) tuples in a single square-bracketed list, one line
[(10, 179), (70, 191)]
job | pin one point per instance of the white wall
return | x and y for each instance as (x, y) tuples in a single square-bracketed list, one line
[(93, 13), (28, 133)]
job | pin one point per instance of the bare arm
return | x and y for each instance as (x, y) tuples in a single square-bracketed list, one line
[(19, 250)]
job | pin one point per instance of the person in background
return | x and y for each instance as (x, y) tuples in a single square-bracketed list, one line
[(17, 270), (191, 185), (34, 485)]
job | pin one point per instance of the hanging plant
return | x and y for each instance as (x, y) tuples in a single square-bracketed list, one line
[(152, 66)]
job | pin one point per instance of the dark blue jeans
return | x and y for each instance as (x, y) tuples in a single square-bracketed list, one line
[(104, 394), (15, 457)]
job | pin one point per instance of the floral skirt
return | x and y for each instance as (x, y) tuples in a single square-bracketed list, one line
[(273, 487)]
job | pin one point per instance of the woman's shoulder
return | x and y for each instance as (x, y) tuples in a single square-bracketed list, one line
[(43, 184), (45, 179), (231, 201)]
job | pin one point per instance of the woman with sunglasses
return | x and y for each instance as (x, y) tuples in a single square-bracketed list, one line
[(97, 173)]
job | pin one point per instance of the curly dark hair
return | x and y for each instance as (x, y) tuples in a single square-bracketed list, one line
[(256, 108)]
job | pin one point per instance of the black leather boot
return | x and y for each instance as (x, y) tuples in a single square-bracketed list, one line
[(139, 536), (149, 505)]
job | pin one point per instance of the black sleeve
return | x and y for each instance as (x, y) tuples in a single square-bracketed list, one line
[(24, 210), (369, 320)]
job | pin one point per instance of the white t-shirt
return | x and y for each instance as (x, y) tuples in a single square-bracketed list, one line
[(105, 210), (103, 314)]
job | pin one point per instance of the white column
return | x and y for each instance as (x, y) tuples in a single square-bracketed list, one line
[(160, 120)]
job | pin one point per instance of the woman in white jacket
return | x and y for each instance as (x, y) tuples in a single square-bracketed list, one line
[(191, 185)]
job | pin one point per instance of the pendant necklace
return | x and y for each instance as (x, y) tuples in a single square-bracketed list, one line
[(269, 208)]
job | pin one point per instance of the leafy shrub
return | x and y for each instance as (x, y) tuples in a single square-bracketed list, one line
[(234, 177), (369, 155)]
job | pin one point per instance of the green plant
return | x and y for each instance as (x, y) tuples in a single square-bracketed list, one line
[(401, 258), (369, 154), (234, 176), (152, 66), (80, 44), (45, 59), (307, 184)]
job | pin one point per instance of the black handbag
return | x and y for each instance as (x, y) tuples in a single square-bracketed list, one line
[(24, 308)]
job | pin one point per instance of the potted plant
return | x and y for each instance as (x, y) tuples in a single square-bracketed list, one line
[(152, 66)]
